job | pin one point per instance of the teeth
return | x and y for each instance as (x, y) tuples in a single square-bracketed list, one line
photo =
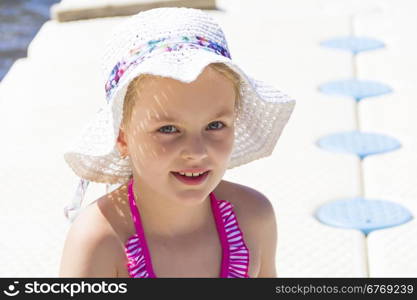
[(191, 174)]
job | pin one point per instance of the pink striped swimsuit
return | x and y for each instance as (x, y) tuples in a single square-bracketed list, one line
[(235, 254)]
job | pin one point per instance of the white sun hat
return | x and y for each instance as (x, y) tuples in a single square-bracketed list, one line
[(179, 43)]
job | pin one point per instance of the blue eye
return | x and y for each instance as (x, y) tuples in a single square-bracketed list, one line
[(167, 126), (217, 122)]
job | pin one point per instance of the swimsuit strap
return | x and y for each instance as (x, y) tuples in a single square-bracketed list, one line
[(235, 254), (145, 265), (235, 262)]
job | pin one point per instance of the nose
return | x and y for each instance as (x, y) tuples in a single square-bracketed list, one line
[(194, 149)]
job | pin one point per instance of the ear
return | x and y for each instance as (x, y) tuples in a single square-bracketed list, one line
[(121, 143)]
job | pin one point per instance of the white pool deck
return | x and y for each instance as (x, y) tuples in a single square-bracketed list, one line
[(46, 99)]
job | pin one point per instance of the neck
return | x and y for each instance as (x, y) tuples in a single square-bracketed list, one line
[(165, 217)]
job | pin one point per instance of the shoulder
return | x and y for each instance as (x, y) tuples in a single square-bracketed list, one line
[(92, 248), (91, 224), (256, 216), (247, 201)]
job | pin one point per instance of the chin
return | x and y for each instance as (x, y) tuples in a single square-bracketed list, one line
[(192, 197)]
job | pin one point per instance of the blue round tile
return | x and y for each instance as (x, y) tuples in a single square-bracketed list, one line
[(353, 44), (357, 89), (360, 143), (362, 214)]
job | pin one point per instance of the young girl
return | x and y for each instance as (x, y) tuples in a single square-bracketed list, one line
[(179, 112)]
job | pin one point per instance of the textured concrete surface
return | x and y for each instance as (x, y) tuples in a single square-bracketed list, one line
[(71, 10)]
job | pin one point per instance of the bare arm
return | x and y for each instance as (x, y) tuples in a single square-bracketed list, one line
[(89, 250), (268, 241)]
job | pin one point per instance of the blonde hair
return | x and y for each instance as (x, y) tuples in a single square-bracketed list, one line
[(135, 86)]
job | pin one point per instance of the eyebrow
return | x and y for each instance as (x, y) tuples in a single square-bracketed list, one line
[(222, 113)]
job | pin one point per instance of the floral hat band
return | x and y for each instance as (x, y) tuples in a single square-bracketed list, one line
[(144, 51)]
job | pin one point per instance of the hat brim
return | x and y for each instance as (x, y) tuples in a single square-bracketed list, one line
[(262, 115)]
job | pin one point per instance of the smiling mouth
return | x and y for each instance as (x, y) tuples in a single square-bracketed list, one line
[(202, 174), (191, 180)]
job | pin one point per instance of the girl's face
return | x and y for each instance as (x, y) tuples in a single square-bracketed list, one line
[(177, 126)]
